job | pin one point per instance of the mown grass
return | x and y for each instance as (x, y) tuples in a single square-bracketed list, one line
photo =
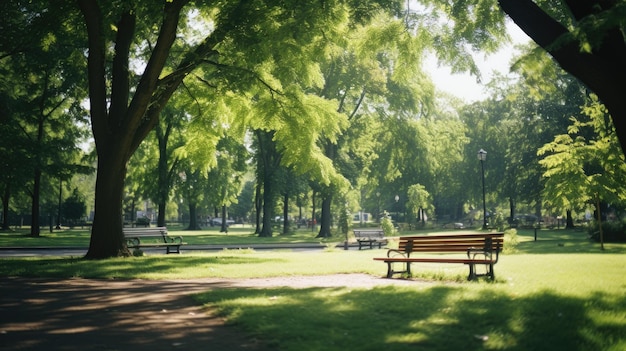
[(560, 292), (237, 235)]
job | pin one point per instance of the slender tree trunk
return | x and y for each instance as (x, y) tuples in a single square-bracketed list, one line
[(313, 208), (258, 206), (299, 211), (286, 213), (599, 211), (6, 196), (34, 223), (59, 206), (511, 210), (164, 186), (266, 230), (133, 213)]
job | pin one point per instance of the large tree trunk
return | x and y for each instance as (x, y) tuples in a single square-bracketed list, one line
[(325, 221), (119, 126), (161, 214), (569, 220), (107, 238), (193, 216), (602, 70)]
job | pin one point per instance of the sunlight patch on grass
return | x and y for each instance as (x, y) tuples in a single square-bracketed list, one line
[(409, 338)]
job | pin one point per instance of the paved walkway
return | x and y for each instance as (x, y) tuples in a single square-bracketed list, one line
[(93, 314)]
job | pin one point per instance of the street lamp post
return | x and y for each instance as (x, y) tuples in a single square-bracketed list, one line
[(482, 156), (378, 207), (397, 209)]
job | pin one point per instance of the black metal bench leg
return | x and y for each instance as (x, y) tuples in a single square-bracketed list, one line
[(472, 272), (389, 270)]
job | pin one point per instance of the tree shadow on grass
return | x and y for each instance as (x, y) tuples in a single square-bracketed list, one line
[(124, 268), (439, 318), (564, 241)]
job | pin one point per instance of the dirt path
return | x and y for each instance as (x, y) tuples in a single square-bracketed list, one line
[(89, 314)]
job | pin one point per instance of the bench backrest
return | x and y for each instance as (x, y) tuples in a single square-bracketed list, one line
[(451, 243), (369, 233), (145, 232)]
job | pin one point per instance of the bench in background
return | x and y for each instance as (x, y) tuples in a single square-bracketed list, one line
[(478, 249), (370, 237), (152, 237)]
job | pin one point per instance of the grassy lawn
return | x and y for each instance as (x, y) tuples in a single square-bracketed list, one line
[(237, 234), (558, 293)]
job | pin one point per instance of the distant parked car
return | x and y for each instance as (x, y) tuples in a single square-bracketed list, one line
[(218, 221)]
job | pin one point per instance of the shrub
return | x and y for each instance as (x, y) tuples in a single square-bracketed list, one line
[(612, 231), (387, 224), (510, 241)]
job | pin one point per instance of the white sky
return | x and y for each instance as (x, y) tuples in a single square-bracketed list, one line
[(465, 86)]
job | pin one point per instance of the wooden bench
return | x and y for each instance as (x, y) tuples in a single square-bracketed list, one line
[(155, 236), (477, 249), (370, 237)]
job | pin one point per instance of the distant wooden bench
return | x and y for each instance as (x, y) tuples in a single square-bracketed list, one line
[(152, 237), (478, 249), (370, 237)]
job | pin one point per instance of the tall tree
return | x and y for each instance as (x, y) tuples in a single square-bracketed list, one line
[(242, 52), (268, 163), (41, 91), (225, 180), (586, 164)]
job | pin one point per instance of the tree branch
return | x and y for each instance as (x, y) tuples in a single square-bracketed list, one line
[(96, 68)]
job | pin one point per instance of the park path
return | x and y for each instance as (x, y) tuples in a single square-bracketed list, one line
[(94, 314)]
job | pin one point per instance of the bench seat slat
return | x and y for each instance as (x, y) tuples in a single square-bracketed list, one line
[(435, 260)]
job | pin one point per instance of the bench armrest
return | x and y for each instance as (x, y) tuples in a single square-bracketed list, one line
[(173, 239), (396, 253), (472, 252)]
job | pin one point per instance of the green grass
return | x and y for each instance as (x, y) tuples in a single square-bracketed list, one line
[(558, 293), (237, 234)]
